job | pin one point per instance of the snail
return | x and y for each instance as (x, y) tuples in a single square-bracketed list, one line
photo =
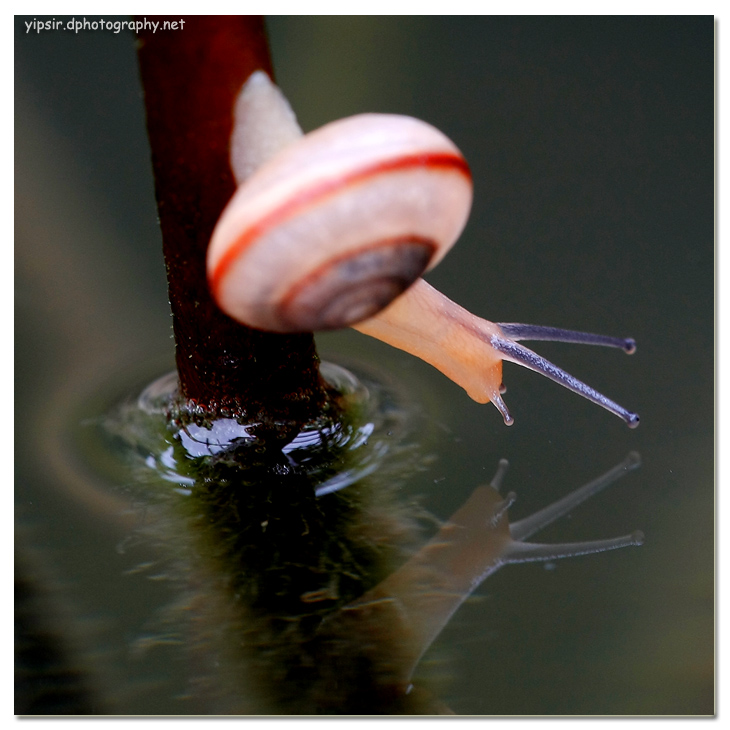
[(335, 228)]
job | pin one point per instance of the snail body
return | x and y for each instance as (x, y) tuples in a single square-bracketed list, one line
[(335, 228)]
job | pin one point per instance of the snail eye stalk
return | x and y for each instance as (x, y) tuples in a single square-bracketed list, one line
[(536, 332), (514, 352)]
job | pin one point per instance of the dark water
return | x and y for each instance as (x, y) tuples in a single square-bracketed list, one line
[(591, 146)]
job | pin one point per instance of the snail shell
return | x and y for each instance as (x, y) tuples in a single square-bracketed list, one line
[(337, 224)]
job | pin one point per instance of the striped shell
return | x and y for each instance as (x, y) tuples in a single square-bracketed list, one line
[(334, 227)]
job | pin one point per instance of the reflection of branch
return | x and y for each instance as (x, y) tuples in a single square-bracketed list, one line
[(191, 77), (414, 604)]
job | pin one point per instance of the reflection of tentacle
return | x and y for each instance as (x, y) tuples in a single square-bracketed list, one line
[(530, 525), (498, 477), (524, 552)]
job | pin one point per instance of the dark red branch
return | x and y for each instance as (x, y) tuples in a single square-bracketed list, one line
[(191, 77)]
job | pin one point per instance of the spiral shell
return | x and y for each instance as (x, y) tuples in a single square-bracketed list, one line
[(335, 226)]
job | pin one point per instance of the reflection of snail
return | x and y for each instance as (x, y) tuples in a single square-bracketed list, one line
[(335, 228), (394, 623)]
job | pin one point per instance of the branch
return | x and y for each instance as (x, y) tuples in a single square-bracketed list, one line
[(191, 78)]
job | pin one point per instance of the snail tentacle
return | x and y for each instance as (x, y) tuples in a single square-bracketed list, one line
[(516, 331), (522, 355), (502, 408)]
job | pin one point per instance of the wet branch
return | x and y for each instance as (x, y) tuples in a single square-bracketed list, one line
[(191, 77)]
